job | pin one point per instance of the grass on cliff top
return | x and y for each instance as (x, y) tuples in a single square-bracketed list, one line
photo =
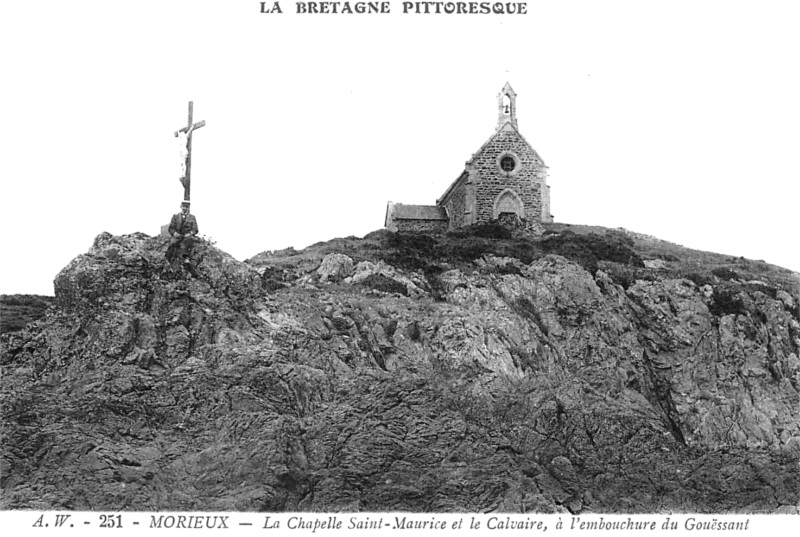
[(433, 254), (16, 311), (618, 252)]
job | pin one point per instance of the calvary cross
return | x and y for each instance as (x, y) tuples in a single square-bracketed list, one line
[(188, 129)]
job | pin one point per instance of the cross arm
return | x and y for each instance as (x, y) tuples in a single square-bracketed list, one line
[(194, 127)]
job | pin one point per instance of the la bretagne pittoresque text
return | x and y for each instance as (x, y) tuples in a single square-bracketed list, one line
[(411, 8)]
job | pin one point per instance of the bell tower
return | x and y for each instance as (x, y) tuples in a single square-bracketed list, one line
[(506, 107)]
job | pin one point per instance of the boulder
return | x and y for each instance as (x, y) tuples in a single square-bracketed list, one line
[(335, 268)]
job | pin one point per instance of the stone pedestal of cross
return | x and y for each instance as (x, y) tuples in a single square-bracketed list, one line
[(188, 130)]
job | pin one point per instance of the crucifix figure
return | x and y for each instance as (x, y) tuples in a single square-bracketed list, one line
[(187, 164)]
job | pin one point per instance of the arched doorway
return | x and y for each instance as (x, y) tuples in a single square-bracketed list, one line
[(508, 202)]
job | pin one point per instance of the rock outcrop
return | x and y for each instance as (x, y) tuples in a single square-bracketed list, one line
[(408, 374)]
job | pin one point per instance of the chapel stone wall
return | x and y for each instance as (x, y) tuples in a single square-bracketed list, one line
[(526, 180), (430, 227), (456, 204)]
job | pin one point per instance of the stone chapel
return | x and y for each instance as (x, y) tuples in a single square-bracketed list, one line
[(504, 181)]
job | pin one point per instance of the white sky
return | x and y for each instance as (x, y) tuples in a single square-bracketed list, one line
[(673, 118)]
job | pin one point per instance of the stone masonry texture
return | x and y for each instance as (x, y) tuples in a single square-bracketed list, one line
[(526, 180)]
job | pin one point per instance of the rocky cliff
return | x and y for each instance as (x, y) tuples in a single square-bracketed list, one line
[(587, 370)]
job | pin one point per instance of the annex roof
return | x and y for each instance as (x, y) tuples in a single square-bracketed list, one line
[(419, 212)]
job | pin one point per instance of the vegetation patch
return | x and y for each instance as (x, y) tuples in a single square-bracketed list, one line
[(423, 252), (724, 273), (491, 230), (274, 278), (379, 282), (768, 290), (587, 250), (409, 251), (699, 280), (726, 301), (470, 249), (625, 275), (508, 268)]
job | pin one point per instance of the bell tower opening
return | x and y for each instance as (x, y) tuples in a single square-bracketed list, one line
[(507, 107)]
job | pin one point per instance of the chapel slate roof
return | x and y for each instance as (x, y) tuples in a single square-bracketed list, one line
[(419, 212)]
